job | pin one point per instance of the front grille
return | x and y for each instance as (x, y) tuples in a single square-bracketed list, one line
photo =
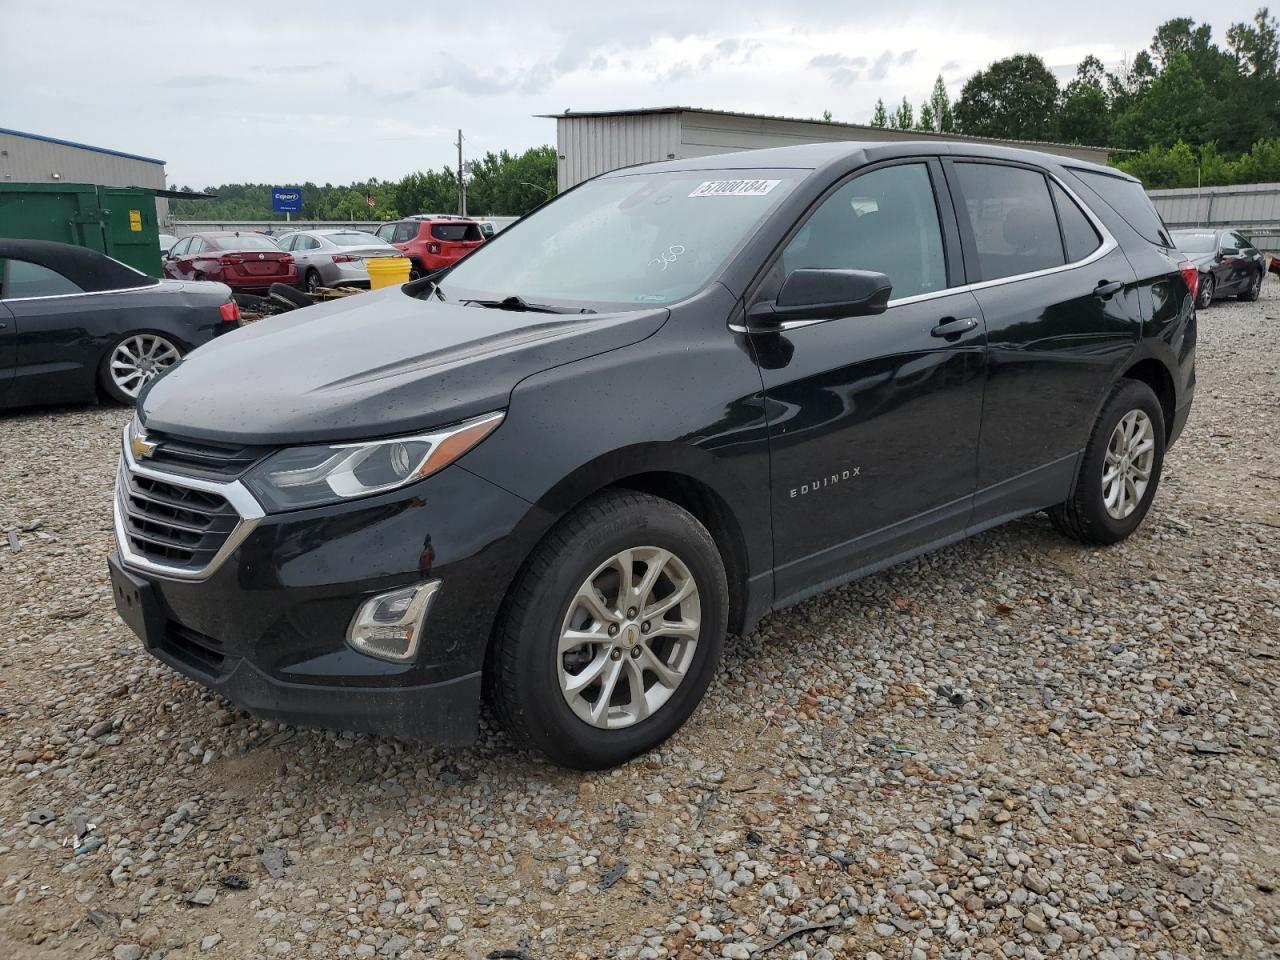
[(194, 649), (171, 524), (201, 458)]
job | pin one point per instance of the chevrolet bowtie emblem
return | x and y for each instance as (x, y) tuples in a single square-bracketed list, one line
[(141, 447)]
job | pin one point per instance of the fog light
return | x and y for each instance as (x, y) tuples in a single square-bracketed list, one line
[(389, 626)]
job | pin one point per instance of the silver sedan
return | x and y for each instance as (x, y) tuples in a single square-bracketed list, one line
[(334, 258)]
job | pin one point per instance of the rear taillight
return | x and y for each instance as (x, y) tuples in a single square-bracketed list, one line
[(433, 248), (1190, 274), (229, 261), (344, 258), (230, 312), (287, 259)]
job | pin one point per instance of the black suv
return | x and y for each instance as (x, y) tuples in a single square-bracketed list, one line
[(674, 399)]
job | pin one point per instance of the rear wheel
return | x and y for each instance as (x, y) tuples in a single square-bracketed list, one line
[(313, 282), (1254, 290), (1120, 469), (1205, 297), (612, 633), (135, 359)]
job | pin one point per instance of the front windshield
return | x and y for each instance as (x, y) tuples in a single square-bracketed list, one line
[(1194, 242), (625, 240)]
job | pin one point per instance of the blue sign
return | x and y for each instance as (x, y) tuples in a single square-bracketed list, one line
[(286, 199)]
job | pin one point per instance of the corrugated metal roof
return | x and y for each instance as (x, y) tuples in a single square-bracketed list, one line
[(927, 134), (81, 146)]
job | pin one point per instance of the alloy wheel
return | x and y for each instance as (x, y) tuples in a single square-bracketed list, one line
[(1206, 292), (140, 358), (629, 637), (1126, 471)]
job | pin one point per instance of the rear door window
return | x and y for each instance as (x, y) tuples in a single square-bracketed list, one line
[(1128, 199), (1011, 218), (406, 231), (1078, 234), (197, 245), (19, 279), (885, 221)]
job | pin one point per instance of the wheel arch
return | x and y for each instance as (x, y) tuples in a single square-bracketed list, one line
[(1156, 375)]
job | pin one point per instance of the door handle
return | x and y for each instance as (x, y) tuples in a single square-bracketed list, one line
[(950, 329), (1106, 290)]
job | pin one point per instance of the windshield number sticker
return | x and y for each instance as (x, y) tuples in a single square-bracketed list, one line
[(668, 256), (734, 188)]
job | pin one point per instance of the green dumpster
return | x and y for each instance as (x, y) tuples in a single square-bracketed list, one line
[(117, 221)]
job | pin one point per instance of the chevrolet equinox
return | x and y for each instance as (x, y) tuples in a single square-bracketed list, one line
[(681, 395)]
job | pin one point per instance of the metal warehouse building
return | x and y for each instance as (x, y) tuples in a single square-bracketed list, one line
[(595, 142), (32, 158)]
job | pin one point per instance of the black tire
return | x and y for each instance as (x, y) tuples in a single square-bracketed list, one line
[(1204, 296), (107, 385), (522, 672), (312, 281), (1254, 290), (1084, 517)]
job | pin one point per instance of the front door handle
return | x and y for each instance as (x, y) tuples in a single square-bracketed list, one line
[(950, 329), (1105, 290)]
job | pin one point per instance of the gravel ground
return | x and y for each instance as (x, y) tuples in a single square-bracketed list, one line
[(1015, 747)]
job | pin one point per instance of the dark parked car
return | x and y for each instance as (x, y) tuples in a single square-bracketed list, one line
[(245, 262), (1229, 264), (675, 398), (75, 324), (432, 241)]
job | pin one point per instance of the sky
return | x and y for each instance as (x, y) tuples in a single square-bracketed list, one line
[(337, 91)]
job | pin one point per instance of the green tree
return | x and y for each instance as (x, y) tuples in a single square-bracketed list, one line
[(940, 105), (902, 117), (927, 120), (1175, 107), (1256, 49), (881, 116), (1014, 98), (1084, 114)]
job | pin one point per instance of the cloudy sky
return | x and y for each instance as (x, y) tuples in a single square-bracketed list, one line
[(335, 91)]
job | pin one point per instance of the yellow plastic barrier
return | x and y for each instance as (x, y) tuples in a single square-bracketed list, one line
[(387, 271)]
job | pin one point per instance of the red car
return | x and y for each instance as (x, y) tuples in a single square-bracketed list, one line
[(245, 262), (432, 242)]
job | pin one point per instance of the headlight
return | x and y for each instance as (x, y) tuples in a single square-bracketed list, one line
[(307, 476)]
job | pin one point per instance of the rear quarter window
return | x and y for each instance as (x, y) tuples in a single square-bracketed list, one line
[(469, 232), (1128, 199)]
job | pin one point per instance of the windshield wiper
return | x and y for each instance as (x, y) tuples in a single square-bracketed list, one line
[(519, 303)]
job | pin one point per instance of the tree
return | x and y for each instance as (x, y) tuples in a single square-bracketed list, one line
[(881, 116), (826, 116), (1014, 98), (1256, 50), (1083, 116), (902, 117), (1174, 108), (940, 105), (927, 120)]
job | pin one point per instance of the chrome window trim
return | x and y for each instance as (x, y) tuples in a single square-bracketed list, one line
[(235, 493), (82, 293), (1104, 248)]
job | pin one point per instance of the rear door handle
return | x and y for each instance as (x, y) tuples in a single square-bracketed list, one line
[(1105, 290), (952, 329)]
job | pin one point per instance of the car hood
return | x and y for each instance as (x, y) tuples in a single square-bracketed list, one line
[(371, 365)]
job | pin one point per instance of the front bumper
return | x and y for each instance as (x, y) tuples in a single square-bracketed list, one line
[(266, 625)]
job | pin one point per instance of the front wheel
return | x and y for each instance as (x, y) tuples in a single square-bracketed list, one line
[(313, 282), (133, 360), (1205, 296), (1120, 469), (1254, 290), (612, 632)]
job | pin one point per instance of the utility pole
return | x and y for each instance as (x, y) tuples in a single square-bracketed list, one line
[(462, 184)]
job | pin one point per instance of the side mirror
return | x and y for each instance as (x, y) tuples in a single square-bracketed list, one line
[(1229, 252), (823, 295)]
